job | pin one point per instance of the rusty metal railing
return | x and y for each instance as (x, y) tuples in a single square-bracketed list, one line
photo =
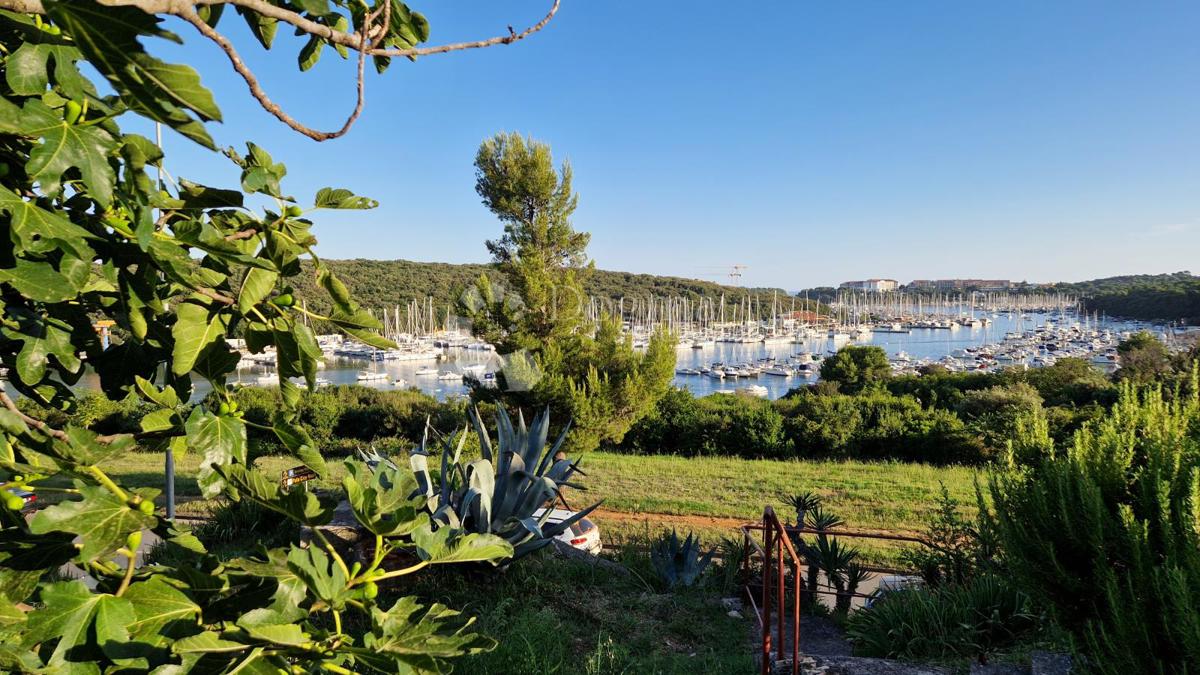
[(777, 551)]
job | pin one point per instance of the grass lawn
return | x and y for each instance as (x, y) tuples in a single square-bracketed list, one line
[(712, 493), (886, 496), (707, 495)]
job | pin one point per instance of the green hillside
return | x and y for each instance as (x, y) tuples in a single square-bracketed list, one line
[(1152, 297), (387, 283)]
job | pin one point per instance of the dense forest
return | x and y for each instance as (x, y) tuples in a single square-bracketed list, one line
[(1162, 297), (386, 283)]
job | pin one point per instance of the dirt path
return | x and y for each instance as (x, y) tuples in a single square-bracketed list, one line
[(690, 521), (693, 521)]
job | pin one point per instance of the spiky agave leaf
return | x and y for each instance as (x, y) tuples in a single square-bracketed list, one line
[(679, 564), (516, 477)]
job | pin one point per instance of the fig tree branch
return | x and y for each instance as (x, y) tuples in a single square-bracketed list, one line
[(265, 8), (256, 90)]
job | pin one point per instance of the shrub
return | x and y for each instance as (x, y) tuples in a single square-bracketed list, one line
[(368, 414), (742, 426), (941, 388), (955, 620), (745, 426), (93, 411), (994, 412), (1106, 535), (1068, 382), (1144, 359), (878, 425), (671, 427), (959, 549), (347, 413), (232, 529)]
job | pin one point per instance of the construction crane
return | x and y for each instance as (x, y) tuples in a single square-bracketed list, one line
[(734, 272)]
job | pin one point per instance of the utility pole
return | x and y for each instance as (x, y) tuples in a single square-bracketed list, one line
[(169, 460)]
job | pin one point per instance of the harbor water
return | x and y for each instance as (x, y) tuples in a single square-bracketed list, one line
[(443, 378)]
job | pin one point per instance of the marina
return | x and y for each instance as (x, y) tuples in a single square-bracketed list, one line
[(758, 358), (1022, 341), (757, 362)]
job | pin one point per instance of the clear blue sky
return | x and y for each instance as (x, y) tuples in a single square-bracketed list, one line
[(813, 142)]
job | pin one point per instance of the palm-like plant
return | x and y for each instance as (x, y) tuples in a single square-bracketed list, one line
[(502, 492), (822, 520), (855, 575), (802, 504), (834, 558)]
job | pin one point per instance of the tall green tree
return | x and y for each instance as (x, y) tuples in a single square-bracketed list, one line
[(856, 368), (543, 259), (88, 234), (590, 374)]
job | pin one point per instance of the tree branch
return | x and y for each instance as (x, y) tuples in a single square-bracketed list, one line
[(348, 39), (32, 421), (257, 91), (182, 7), (62, 435), (210, 293), (477, 44), (242, 234), (185, 9)]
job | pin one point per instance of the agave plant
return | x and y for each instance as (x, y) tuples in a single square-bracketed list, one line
[(503, 491), (679, 564)]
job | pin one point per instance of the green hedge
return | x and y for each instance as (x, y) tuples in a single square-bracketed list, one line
[(872, 425)]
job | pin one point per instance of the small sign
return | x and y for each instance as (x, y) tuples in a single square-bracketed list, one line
[(296, 476)]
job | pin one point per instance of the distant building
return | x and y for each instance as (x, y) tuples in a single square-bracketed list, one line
[(962, 284), (877, 285)]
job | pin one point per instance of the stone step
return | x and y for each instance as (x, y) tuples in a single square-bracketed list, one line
[(854, 665)]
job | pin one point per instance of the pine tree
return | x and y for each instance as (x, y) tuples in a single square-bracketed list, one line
[(553, 356)]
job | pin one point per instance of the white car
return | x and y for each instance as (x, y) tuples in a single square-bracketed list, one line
[(582, 534), (27, 498), (889, 583)]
